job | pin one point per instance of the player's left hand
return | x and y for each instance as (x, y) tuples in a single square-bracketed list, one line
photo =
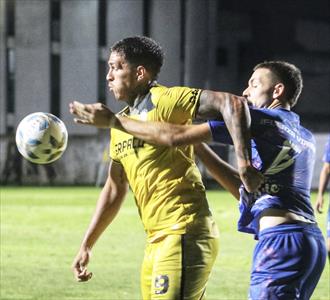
[(79, 266), (96, 114), (251, 178), (319, 204)]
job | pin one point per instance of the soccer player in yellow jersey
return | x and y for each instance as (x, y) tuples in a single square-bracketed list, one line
[(182, 238)]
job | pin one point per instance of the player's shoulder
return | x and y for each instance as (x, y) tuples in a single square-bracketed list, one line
[(274, 115), (270, 113), (307, 133), (175, 92)]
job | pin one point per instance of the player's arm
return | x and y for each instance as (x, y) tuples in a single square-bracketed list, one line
[(235, 112), (159, 133), (108, 205), (323, 182), (226, 175), (162, 133), (233, 109)]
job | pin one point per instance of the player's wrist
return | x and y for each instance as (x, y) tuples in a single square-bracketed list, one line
[(244, 166), (87, 244), (112, 121)]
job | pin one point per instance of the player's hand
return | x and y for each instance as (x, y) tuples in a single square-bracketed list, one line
[(79, 265), (96, 114), (319, 204), (251, 178)]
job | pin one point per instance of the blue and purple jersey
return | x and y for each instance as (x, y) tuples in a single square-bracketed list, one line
[(326, 159), (284, 152), (326, 156)]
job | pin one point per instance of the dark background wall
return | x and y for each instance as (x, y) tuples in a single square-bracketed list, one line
[(54, 51)]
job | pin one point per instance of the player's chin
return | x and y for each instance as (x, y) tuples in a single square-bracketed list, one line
[(250, 103), (116, 95), (119, 97)]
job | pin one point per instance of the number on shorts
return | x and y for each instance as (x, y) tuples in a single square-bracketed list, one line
[(161, 284)]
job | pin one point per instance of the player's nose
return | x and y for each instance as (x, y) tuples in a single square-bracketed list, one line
[(109, 76), (246, 93)]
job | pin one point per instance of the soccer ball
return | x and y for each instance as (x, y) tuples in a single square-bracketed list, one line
[(41, 138)]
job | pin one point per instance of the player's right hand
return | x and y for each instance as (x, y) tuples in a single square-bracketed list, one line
[(96, 114), (251, 178), (79, 265)]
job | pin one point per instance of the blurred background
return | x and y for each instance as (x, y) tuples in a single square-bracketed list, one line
[(54, 51)]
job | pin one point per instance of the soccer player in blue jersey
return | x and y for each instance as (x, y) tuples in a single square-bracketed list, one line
[(290, 254), (323, 182)]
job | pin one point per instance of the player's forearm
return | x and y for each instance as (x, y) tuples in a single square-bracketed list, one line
[(222, 172), (237, 118), (162, 133), (151, 132), (107, 207), (238, 121), (235, 113)]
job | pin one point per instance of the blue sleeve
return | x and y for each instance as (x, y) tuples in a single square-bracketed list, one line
[(256, 116), (326, 157), (219, 132)]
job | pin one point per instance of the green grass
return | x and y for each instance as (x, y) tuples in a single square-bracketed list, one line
[(41, 229)]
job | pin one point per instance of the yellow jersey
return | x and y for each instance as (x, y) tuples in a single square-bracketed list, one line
[(165, 181)]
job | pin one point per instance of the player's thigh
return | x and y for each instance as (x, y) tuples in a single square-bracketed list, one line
[(287, 263), (146, 272), (182, 266), (275, 269), (198, 264), (314, 259)]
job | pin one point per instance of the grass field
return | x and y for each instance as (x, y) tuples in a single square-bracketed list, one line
[(41, 229)]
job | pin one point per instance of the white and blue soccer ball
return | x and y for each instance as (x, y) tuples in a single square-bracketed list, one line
[(41, 138)]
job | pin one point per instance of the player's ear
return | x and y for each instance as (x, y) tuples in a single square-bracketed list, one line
[(278, 90), (141, 72)]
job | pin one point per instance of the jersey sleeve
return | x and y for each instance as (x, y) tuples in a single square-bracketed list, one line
[(258, 118), (178, 104), (220, 132), (326, 156)]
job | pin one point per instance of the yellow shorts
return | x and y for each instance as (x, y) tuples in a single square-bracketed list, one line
[(178, 267)]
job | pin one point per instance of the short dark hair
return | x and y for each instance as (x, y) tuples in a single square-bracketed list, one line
[(141, 50), (289, 75)]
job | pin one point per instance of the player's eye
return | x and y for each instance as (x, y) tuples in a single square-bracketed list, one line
[(112, 67)]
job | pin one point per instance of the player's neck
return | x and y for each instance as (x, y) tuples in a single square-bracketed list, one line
[(142, 91), (277, 104)]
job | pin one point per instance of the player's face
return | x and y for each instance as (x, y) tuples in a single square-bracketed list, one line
[(260, 88), (122, 78)]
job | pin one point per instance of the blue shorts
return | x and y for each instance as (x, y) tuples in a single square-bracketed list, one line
[(288, 261)]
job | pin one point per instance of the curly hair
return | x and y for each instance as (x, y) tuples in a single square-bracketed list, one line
[(141, 50)]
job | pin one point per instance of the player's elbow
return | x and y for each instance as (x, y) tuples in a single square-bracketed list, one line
[(326, 168), (175, 140), (116, 192), (168, 139), (121, 190)]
